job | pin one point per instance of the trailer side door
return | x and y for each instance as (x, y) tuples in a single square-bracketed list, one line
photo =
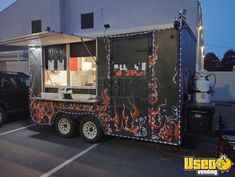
[(129, 83)]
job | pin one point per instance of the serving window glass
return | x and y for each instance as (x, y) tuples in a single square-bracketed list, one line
[(55, 78), (82, 72), (71, 67), (55, 73)]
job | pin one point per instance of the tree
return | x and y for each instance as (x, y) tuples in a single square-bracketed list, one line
[(228, 61), (211, 62)]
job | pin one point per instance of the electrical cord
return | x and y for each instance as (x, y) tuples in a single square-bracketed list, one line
[(213, 85)]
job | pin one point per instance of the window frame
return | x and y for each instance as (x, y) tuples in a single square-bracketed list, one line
[(84, 87), (87, 20), (67, 72), (33, 23)]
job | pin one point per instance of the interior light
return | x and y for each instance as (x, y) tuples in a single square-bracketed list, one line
[(86, 66)]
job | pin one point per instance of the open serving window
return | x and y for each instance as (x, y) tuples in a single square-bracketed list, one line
[(62, 67)]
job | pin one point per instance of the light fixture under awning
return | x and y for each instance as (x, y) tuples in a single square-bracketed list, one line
[(44, 39)]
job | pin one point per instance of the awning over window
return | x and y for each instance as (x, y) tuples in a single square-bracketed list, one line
[(44, 39)]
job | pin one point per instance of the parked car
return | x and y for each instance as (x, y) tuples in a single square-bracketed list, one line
[(14, 88)]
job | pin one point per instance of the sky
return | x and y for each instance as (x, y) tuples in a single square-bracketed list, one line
[(218, 23), (5, 3)]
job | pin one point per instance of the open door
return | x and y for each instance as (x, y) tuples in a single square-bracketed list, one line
[(129, 83)]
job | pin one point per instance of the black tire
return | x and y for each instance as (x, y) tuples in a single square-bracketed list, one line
[(90, 130), (66, 126), (2, 116)]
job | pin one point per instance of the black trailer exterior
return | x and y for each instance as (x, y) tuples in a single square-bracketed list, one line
[(142, 81)]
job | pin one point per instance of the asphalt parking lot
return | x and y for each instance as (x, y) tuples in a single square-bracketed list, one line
[(29, 150)]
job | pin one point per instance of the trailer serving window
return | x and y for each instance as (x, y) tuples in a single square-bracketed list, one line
[(60, 65), (83, 64), (55, 73), (81, 70)]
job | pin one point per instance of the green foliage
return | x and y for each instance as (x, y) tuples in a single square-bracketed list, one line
[(213, 63), (228, 61)]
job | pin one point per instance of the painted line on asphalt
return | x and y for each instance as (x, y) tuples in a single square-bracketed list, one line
[(52, 171), (18, 129), (164, 159)]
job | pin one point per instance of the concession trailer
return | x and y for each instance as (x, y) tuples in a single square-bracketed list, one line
[(132, 85)]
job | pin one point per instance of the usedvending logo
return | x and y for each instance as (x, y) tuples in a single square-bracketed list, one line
[(208, 166)]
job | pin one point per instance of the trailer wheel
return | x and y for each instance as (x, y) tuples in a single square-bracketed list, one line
[(90, 130), (2, 116), (65, 126)]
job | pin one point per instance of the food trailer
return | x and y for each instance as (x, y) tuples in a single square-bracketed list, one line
[(132, 85)]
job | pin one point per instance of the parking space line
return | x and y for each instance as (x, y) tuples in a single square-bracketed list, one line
[(164, 159), (50, 172), (21, 128)]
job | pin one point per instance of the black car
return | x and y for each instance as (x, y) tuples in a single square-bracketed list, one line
[(14, 88)]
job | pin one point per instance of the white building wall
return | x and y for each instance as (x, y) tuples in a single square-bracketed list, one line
[(123, 14), (17, 66), (15, 61), (225, 87), (16, 20), (65, 15)]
